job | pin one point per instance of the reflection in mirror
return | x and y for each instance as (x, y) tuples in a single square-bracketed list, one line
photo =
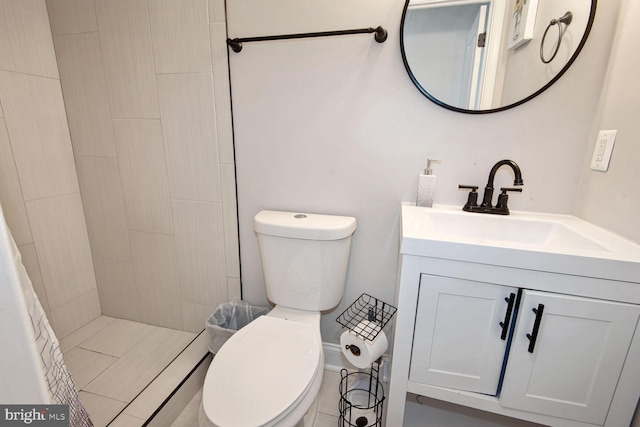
[(480, 56)]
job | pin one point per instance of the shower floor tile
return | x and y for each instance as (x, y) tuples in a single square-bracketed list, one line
[(86, 365), (88, 330), (101, 409), (131, 373), (113, 360), (118, 337)]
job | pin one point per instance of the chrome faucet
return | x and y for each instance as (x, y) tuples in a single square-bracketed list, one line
[(486, 206)]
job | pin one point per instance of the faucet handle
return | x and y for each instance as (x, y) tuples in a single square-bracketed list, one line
[(503, 198), (472, 199), (505, 189), (470, 187)]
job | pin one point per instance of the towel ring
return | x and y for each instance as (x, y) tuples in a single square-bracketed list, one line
[(564, 19)]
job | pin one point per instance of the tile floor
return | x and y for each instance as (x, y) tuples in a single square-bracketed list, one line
[(327, 410), (113, 360), (109, 361)]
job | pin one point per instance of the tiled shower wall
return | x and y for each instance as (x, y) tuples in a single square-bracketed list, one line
[(146, 89), (39, 189)]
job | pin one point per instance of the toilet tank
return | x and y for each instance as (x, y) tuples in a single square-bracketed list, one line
[(304, 257)]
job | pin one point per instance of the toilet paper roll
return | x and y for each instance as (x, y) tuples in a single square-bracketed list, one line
[(361, 417), (360, 352)]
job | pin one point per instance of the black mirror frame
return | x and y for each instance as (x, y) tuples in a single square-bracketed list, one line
[(592, 15)]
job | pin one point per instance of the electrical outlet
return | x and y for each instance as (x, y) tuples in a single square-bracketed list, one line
[(603, 149)]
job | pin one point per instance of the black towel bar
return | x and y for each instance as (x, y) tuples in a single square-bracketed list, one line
[(380, 36)]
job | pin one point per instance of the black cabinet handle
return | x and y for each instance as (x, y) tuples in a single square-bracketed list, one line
[(507, 316), (533, 336)]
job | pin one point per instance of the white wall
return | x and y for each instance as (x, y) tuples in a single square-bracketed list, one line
[(610, 199), (334, 125)]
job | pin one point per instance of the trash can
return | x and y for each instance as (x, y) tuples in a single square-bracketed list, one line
[(228, 318)]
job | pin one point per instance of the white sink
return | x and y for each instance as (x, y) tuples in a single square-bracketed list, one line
[(537, 241), (519, 229)]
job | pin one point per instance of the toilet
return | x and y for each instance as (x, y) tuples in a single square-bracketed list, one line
[(269, 372)]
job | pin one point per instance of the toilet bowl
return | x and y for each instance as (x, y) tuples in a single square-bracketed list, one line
[(269, 372), (266, 374)]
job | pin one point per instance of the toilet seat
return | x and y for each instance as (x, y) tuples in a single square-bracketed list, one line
[(261, 373)]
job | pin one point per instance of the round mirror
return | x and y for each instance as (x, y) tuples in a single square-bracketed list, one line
[(483, 56)]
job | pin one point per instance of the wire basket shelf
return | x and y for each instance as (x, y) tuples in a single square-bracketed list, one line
[(366, 308)]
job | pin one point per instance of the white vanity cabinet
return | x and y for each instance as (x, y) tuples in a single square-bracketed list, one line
[(548, 337), (568, 365)]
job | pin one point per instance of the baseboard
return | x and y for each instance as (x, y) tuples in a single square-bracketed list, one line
[(334, 360)]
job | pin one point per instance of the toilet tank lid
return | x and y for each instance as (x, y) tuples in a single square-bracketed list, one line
[(297, 225)]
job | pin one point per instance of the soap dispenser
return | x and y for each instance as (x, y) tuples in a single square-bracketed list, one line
[(427, 185)]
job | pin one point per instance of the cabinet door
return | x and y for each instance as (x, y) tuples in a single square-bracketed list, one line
[(458, 334), (579, 351)]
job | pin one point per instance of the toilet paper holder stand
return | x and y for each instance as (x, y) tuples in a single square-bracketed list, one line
[(361, 393), (361, 398)]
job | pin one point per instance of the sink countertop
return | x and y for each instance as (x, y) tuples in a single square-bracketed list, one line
[(553, 243)]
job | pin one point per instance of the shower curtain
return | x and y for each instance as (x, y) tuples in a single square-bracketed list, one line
[(39, 360)]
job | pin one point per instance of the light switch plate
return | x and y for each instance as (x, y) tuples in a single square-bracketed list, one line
[(602, 151)]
